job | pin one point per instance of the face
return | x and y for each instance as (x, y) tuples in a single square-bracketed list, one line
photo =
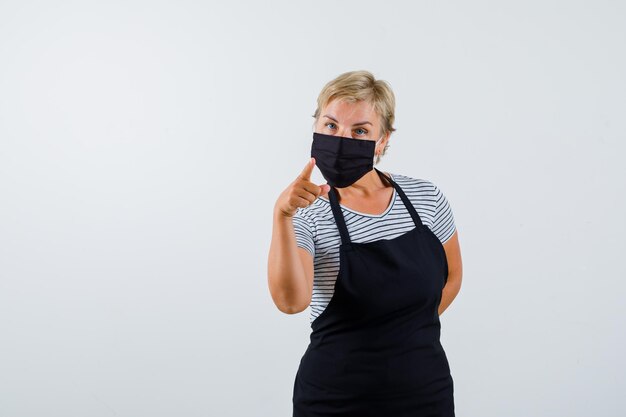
[(357, 120)]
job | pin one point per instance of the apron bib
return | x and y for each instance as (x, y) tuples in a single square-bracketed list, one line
[(375, 349)]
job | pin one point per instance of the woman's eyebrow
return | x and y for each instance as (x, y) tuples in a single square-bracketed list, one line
[(356, 124)]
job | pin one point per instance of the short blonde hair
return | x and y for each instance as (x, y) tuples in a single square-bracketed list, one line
[(361, 85)]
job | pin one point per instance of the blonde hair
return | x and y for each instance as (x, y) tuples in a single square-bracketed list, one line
[(361, 85)]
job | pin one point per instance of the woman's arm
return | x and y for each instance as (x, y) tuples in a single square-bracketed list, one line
[(290, 268), (455, 272)]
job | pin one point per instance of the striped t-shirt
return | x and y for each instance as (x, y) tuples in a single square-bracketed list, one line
[(317, 232)]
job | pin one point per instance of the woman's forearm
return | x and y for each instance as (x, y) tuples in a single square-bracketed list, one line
[(285, 272), (449, 292)]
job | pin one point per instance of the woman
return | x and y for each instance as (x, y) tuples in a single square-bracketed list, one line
[(376, 256)]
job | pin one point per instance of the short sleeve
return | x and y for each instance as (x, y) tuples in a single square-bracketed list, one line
[(304, 231), (443, 220)]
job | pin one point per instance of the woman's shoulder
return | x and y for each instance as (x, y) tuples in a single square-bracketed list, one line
[(416, 183)]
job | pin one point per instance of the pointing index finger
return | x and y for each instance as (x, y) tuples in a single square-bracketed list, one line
[(306, 172)]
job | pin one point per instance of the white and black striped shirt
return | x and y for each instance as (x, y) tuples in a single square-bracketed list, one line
[(317, 232)]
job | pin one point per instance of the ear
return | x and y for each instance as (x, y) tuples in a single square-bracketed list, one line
[(383, 142)]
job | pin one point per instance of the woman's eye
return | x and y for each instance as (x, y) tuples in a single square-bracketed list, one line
[(330, 123), (362, 130)]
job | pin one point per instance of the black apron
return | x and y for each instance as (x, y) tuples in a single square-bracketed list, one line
[(375, 349)]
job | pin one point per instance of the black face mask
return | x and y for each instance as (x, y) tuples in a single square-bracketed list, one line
[(342, 160)]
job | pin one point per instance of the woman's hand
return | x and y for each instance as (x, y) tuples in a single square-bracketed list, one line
[(300, 193)]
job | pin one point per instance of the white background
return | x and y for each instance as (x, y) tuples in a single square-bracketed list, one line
[(143, 145)]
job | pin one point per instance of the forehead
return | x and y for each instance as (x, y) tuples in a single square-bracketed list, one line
[(344, 110)]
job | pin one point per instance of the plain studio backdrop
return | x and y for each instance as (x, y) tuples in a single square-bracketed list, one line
[(143, 146)]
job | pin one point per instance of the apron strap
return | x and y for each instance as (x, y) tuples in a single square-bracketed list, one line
[(407, 203), (341, 223)]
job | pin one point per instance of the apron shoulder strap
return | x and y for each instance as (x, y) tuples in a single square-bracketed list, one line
[(341, 223), (409, 206)]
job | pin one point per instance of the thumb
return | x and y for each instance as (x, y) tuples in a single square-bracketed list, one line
[(306, 172), (325, 189)]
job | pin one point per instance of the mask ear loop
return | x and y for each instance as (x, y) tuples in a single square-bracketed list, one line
[(381, 138), (386, 179)]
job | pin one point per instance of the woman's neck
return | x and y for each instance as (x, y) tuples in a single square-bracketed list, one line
[(366, 186)]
